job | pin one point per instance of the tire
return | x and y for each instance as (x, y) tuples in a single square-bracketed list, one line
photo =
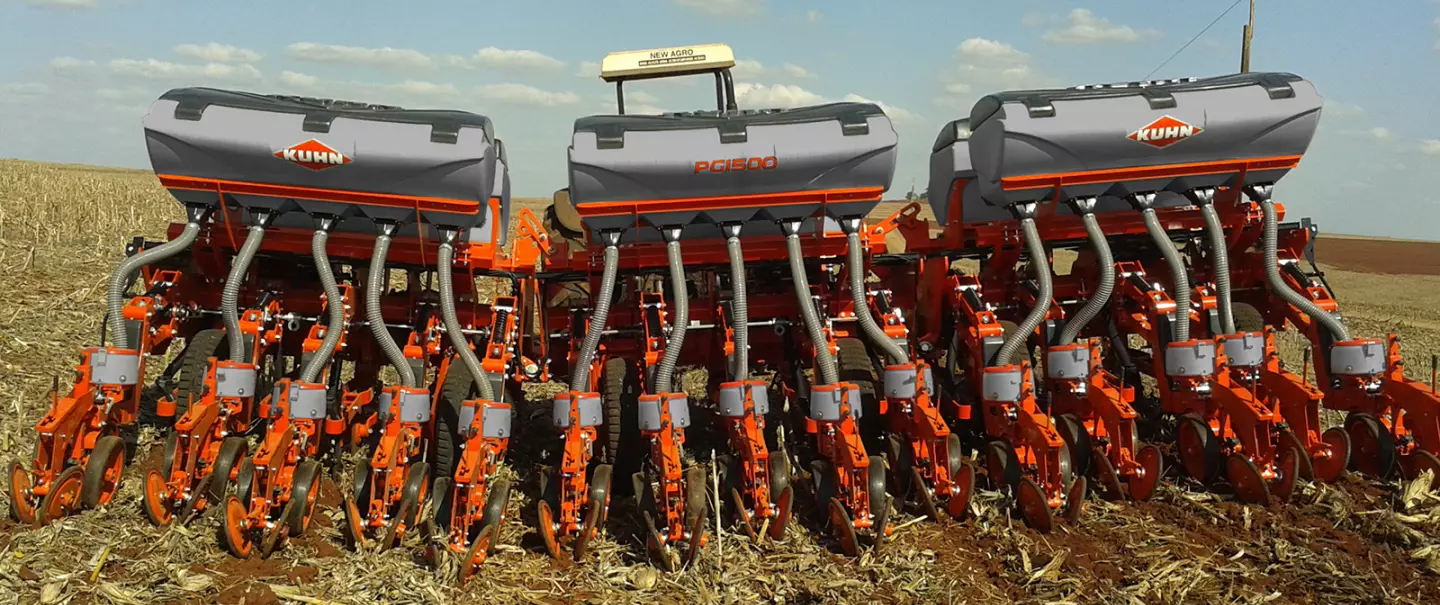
[(191, 380), (621, 396), (857, 368), (102, 472), (459, 387), (1247, 317)]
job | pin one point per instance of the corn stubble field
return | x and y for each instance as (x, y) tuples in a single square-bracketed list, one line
[(62, 229)]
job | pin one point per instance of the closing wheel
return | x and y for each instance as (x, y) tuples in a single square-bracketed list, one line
[(478, 551), (546, 520), (596, 509), (958, 506), (697, 539), (879, 500), (844, 529), (155, 500), (411, 495), (102, 471), (1331, 462), (1289, 440), (1072, 432), (1287, 470), (1002, 465), (1075, 500), (1372, 447), (232, 451), (1106, 475), (1146, 478), (1199, 448), (275, 536), (196, 501), (1249, 485), (783, 505), (305, 488), (233, 533), (1034, 507), (746, 522), (355, 526), (697, 504), (245, 480), (167, 453), (924, 494), (495, 502), (64, 497), (954, 454), (655, 544), (1418, 461), (22, 500)]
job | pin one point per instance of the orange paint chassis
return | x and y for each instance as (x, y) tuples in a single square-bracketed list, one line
[(82, 447), (758, 479), (276, 488), (1224, 417), (575, 500), (921, 442), (203, 452), (849, 483), (1392, 422), (1024, 454)]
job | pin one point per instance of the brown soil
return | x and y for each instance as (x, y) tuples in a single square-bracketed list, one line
[(1379, 256)]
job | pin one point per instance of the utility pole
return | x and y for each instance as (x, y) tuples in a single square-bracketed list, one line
[(1245, 42)]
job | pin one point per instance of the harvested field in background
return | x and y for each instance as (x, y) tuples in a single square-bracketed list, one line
[(62, 229)]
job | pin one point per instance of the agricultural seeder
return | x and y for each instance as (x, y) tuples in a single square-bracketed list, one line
[(1106, 269)]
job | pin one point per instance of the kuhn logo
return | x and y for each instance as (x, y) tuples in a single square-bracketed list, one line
[(1165, 132), (313, 154)]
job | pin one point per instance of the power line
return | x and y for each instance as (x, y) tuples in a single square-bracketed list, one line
[(1192, 40)]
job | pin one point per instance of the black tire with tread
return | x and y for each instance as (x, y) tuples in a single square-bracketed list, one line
[(195, 363), (856, 367), (620, 392), (1247, 317)]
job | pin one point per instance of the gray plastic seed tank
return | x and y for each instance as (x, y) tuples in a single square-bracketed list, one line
[(618, 160), (1223, 120), (266, 151)]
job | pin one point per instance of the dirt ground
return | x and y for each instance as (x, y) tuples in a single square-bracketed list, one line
[(1359, 541)]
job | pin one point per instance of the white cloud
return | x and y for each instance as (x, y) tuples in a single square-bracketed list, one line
[(1083, 27), (298, 79), (761, 96), (511, 59), (217, 53), (814, 16), (795, 71), (155, 69), (70, 64), (1379, 132), (24, 89), (897, 115), (724, 8), (65, 5), (747, 68), (1036, 19), (777, 95), (525, 95), (1339, 110), (1430, 147), (588, 69), (985, 50), (378, 58), (985, 66)]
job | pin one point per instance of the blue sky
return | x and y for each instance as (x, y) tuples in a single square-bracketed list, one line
[(78, 75)]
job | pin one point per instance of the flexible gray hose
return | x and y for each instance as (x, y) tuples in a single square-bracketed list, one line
[(230, 296), (1278, 285), (374, 286), (1221, 260), (1177, 273), (824, 361), (1101, 296), (125, 272), (877, 336), (740, 307), (334, 308), (457, 337), (666, 370), (580, 376), (1040, 264)]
